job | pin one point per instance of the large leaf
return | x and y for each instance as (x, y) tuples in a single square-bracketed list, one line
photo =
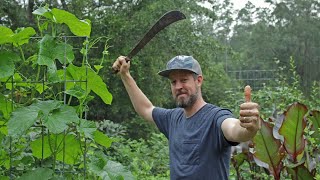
[(23, 36), (50, 50), (7, 60), (44, 173), (87, 128), (59, 119), (102, 139), (314, 116), (268, 151), (23, 118), (300, 173), (292, 129), (44, 11), (77, 27), (107, 169), (6, 34), (70, 154), (95, 82), (18, 39)]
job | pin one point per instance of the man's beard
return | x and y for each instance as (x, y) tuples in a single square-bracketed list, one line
[(188, 102)]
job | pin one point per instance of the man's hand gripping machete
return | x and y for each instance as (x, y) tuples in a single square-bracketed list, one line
[(167, 19)]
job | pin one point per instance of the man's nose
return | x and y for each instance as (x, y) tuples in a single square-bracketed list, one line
[(178, 85)]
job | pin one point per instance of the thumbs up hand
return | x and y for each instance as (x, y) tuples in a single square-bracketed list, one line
[(249, 112)]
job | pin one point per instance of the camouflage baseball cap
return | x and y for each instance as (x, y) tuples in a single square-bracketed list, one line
[(181, 63)]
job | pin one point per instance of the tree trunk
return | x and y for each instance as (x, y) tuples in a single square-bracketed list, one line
[(64, 5), (30, 10)]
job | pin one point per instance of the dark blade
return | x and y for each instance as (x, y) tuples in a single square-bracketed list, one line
[(164, 21)]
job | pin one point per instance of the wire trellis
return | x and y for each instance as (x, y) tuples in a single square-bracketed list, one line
[(43, 130)]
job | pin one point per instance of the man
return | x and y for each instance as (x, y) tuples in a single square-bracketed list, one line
[(200, 134)]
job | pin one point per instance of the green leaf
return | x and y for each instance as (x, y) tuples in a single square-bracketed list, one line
[(314, 116), (77, 92), (6, 35), (5, 106), (268, 152), (50, 50), (3, 128), (87, 128), (300, 172), (292, 129), (64, 53), (40, 87), (18, 39), (44, 11), (47, 107), (107, 169), (7, 60), (4, 177), (97, 162), (23, 36), (44, 173), (59, 119), (116, 171), (46, 51), (76, 26), (5, 161), (40, 148), (98, 67), (23, 118), (102, 139), (70, 154), (95, 82)]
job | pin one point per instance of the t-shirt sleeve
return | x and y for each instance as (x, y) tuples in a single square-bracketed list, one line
[(161, 117), (222, 115)]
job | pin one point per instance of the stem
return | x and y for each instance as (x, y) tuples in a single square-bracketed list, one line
[(37, 78), (38, 24), (69, 101), (22, 54)]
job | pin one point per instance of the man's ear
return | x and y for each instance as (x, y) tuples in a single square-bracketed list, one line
[(200, 79)]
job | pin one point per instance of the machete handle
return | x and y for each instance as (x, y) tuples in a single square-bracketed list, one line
[(115, 71)]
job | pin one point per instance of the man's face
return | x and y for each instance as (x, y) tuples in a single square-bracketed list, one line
[(185, 88)]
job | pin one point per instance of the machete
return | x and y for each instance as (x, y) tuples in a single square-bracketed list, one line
[(167, 19)]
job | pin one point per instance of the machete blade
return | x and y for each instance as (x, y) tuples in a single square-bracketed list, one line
[(167, 19)]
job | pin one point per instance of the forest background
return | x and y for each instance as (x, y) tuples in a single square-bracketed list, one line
[(266, 47)]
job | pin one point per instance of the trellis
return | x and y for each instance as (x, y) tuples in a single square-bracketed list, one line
[(44, 130), (257, 79)]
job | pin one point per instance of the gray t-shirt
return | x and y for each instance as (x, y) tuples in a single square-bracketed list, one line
[(197, 146)]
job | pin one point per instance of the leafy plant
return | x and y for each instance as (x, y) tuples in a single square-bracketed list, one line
[(43, 103)]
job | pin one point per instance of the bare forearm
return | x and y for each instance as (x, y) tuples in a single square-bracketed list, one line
[(140, 102)]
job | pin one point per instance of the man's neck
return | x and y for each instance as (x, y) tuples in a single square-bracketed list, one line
[(189, 111)]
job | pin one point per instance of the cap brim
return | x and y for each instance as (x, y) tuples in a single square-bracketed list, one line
[(165, 73)]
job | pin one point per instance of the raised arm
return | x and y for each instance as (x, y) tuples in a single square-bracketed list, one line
[(246, 127), (140, 102)]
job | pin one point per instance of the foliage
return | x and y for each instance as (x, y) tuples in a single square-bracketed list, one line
[(46, 133), (221, 41), (147, 159), (281, 30), (287, 143)]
